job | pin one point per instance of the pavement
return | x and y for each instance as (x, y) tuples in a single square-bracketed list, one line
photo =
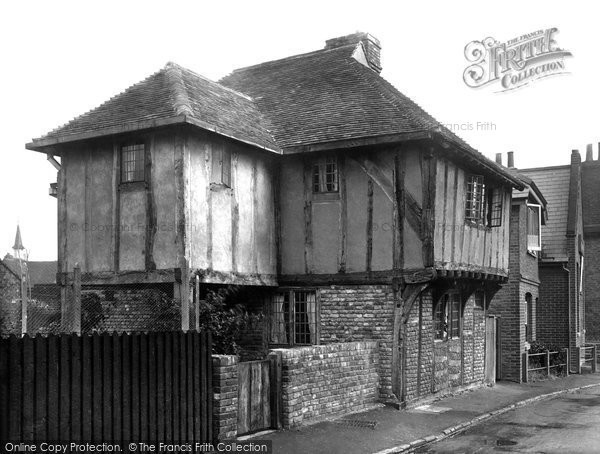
[(385, 430)]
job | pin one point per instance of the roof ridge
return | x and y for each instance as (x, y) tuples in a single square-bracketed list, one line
[(180, 98), (225, 87), (292, 57)]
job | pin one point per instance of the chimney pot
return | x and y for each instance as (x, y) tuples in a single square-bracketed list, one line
[(499, 158), (371, 45), (510, 160), (575, 157), (589, 153)]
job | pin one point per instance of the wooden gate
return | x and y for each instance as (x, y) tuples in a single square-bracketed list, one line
[(258, 395), (490, 349)]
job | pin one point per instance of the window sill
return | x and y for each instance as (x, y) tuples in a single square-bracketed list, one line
[(218, 187), (325, 196), (133, 186), (478, 226)]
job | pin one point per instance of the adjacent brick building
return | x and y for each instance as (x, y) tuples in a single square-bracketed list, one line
[(590, 191), (560, 310), (516, 303), (10, 300)]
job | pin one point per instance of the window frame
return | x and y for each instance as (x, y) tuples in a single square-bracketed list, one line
[(320, 173), (292, 323), (136, 169), (221, 167), (449, 307), (538, 246), (475, 199)]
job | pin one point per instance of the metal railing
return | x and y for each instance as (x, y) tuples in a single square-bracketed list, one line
[(587, 354)]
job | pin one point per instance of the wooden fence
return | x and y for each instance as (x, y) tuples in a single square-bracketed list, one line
[(106, 387), (547, 367)]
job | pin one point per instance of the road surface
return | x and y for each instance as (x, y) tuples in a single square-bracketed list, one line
[(567, 424)]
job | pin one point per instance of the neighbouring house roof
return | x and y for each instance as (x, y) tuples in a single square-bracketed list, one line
[(10, 270), (530, 191), (553, 182), (40, 272), (319, 99)]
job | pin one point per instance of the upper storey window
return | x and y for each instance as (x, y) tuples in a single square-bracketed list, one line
[(325, 175), (483, 203), (132, 163), (534, 227)]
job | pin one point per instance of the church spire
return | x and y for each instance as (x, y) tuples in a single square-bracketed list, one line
[(18, 242)]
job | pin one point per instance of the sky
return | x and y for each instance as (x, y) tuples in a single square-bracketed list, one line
[(63, 58)]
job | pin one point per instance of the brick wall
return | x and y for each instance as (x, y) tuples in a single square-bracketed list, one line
[(225, 397), (327, 380), (552, 309), (435, 366), (592, 287), (361, 313)]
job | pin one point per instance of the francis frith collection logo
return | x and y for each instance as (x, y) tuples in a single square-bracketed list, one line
[(514, 63)]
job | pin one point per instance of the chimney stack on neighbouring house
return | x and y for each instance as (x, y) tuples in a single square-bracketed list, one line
[(575, 157), (371, 45), (589, 153), (499, 158), (510, 160)]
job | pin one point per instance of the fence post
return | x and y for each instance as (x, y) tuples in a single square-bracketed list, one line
[(525, 367), (594, 364), (76, 307), (568, 361), (547, 363)]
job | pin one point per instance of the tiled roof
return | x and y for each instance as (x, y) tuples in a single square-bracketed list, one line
[(321, 97), (40, 272), (553, 182), (173, 93), (329, 96)]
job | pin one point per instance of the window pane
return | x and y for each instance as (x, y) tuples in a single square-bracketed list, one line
[(305, 317), (533, 228), (132, 163), (325, 175), (455, 316)]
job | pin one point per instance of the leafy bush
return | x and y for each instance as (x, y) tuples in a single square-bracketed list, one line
[(225, 321)]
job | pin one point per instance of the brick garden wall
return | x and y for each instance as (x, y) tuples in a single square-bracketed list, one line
[(225, 397), (361, 313), (327, 380)]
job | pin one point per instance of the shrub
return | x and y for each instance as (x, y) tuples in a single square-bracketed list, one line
[(225, 320)]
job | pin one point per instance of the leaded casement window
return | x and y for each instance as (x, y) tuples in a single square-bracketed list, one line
[(494, 215), (293, 317), (534, 227), (133, 163), (483, 203), (475, 204), (325, 175), (447, 316)]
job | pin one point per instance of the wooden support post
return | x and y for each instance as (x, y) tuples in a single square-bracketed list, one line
[(24, 303), (548, 363), (594, 364), (76, 307), (525, 367), (275, 384)]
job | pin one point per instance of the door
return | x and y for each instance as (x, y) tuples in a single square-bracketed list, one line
[(490, 349), (258, 396)]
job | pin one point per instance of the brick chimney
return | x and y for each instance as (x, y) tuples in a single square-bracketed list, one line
[(499, 158), (371, 45), (589, 153), (510, 160)]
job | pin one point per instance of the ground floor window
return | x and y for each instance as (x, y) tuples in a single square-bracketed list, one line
[(293, 317), (446, 317)]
